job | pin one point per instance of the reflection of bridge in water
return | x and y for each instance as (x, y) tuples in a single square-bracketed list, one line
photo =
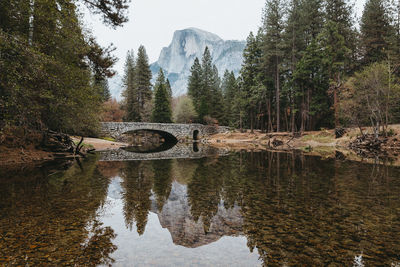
[(179, 151)]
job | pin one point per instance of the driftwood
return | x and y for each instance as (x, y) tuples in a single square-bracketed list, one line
[(368, 145), (79, 147), (61, 144), (275, 142), (339, 132), (368, 142), (90, 151), (57, 142)]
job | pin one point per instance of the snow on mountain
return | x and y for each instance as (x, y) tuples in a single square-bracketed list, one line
[(177, 59)]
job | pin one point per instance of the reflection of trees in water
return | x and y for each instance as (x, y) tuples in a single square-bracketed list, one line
[(162, 181), (303, 210), (97, 248), (296, 210), (233, 182), (44, 219), (137, 183), (314, 212), (204, 191)]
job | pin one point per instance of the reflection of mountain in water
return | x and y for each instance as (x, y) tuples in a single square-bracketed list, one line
[(292, 209), (185, 231)]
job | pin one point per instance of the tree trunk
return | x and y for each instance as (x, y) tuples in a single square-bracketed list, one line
[(387, 101), (286, 122), (31, 21), (335, 105), (277, 97), (308, 111), (336, 100), (240, 121), (302, 114), (252, 122), (269, 116)]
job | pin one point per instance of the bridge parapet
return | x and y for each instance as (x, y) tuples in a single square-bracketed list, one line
[(181, 132)]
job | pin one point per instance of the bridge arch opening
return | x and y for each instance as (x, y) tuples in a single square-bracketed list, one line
[(196, 135), (150, 141), (195, 147)]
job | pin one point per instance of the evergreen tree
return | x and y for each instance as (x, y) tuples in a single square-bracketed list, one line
[(104, 90), (312, 79), (56, 77), (169, 89), (375, 31), (311, 20), (249, 82), (340, 12), (130, 94), (335, 51), (229, 89), (293, 43), (273, 47), (162, 104), (194, 84), (142, 81), (207, 82), (216, 100)]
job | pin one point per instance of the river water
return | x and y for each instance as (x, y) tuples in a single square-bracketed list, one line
[(229, 209)]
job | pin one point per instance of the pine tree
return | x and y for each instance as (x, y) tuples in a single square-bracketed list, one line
[(311, 20), (335, 51), (312, 79), (229, 89), (46, 38), (169, 89), (162, 104), (194, 84), (294, 41), (130, 94), (341, 13), (273, 47), (142, 80), (104, 90), (248, 76), (216, 98), (207, 82), (375, 31)]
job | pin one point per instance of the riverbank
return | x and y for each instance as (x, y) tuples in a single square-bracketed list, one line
[(28, 152), (318, 143), (313, 142)]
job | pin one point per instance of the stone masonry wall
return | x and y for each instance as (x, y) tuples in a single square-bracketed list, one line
[(180, 131)]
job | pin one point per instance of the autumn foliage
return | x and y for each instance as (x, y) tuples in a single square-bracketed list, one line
[(112, 111)]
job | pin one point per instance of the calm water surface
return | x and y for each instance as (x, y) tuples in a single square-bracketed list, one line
[(242, 209)]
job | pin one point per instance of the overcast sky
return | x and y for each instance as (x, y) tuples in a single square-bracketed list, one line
[(153, 22)]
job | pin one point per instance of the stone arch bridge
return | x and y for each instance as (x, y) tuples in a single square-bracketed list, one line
[(180, 132)]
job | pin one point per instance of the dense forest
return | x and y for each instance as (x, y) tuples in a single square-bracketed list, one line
[(308, 67), (53, 72), (311, 65)]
